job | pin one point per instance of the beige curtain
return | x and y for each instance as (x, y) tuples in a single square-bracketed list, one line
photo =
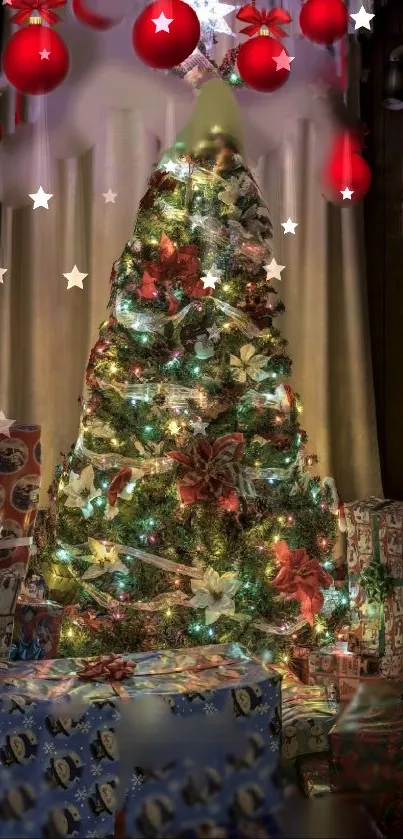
[(46, 331)]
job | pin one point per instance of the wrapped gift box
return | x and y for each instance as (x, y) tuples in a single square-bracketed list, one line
[(314, 775), (340, 670), (37, 627), (193, 737), (308, 714), (20, 459), (375, 541), (367, 741), (20, 472)]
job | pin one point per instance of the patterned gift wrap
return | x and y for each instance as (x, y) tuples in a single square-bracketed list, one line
[(340, 670), (367, 741), (65, 743), (37, 628), (308, 714), (375, 549), (314, 774), (20, 458)]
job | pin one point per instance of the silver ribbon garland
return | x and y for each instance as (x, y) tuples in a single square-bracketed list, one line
[(146, 322), (178, 598), (175, 395)]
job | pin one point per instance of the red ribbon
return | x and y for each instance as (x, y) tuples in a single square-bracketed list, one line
[(43, 7), (257, 19), (111, 667), (118, 484), (301, 578), (211, 471)]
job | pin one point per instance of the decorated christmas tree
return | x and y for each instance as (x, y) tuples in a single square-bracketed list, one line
[(187, 512)]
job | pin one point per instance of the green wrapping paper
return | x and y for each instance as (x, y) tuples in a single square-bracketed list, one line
[(375, 571), (367, 741)]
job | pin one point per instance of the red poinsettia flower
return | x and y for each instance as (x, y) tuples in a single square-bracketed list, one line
[(175, 266), (211, 471), (301, 578)]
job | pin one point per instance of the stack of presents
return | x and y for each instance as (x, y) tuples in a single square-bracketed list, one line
[(202, 742)]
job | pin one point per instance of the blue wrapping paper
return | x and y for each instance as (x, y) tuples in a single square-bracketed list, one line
[(60, 774)]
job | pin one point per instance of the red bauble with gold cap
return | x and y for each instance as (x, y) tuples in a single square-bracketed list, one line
[(36, 59), (256, 58)]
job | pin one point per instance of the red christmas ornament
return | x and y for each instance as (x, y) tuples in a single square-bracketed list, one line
[(166, 33), (36, 59), (347, 170), (256, 59), (91, 18), (323, 21)]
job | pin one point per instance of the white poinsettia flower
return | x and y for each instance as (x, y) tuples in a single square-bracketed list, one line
[(248, 365), (215, 593), (81, 491), (105, 559)]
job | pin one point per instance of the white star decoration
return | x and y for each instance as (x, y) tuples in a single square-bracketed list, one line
[(75, 278), (199, 427), (273, 270), (40, 198), (347, 193), (211, 14), (2, 272), (214, 332), (162, 23), (5, 424), (210, 281), (170, 167), (110, 197), (289, 226), (362, 19), (283, 61), (44, 54)]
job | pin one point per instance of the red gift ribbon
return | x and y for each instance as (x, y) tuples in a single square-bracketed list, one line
[(270, 19), (43, 7), (118, 484), (114, 668)]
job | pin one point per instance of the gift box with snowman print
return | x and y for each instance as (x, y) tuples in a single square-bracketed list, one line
[(308, 714), (375, 572), (157, 744)]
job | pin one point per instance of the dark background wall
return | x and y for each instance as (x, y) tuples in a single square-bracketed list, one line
[(383, 210)]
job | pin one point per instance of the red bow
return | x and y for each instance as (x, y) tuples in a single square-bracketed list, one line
[(301, 578), (175, 265), (43, 7), (111, 667), (118, 484), (257, 19), (212, 471)]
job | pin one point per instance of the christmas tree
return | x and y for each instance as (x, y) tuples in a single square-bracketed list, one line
[(187, 513)]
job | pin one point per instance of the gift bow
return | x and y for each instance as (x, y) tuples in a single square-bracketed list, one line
[(111, 667), (212, 470), (119, 483), (257, 19), (43, 7)]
